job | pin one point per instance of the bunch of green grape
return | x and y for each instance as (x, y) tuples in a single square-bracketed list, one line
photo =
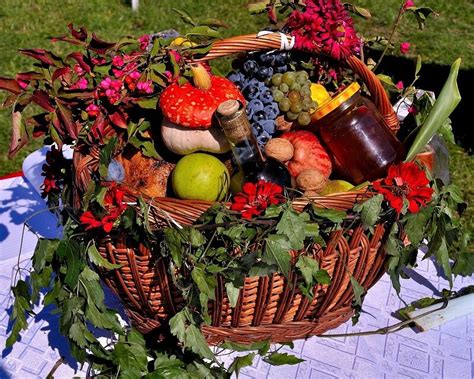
[(292, 92)]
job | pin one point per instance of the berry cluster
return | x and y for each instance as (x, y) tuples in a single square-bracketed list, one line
[(252, 77), (292, 92)]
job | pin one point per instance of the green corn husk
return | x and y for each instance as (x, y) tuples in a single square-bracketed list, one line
[(447, 101)]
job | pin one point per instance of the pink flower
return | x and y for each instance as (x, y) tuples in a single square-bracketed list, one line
[(146, 87), (117, 73), (135, 75), (93, 110), (99, 61), (105, 84), (144, 41), (78, 70), (82, 83), (412, 110), (404, 47), (117, 61), (408, 4), (400, 85), (22, 84), (332, 74), (324, 26), (176, 55)]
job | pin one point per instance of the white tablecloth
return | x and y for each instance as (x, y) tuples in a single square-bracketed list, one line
[(444, 352)]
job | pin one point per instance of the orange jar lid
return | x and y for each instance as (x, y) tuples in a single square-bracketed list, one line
[(339, 99)]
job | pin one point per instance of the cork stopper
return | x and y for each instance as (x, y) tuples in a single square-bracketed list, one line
[(233, 121)]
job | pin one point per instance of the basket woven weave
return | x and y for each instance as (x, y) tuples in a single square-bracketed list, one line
[(269, 307)]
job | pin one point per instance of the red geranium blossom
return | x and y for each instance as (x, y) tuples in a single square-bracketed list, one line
[(255, 198), (325, 25), (114, 206), (405, 181)]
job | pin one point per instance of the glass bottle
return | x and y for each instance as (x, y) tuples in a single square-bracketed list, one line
[(354, 131), (236, 126)]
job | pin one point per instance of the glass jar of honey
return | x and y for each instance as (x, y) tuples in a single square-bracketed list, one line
[(356, 134)]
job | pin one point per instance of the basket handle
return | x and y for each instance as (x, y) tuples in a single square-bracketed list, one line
[(255, 42)]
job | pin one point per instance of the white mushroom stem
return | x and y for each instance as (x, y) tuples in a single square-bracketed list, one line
[(201, 77), (458, 307)]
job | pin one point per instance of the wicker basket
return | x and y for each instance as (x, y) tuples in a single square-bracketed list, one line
[(269, 307)]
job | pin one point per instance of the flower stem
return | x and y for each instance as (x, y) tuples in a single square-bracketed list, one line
[(394, 29)]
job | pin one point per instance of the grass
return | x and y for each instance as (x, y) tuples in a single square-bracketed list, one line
[(30, 23)]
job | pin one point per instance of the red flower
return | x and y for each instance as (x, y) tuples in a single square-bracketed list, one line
[(405, 181), (324, 25), (255, 198), (113, 203)]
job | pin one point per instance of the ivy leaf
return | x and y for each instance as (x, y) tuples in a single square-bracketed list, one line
[(241, 362), (370, 210), (206, 283), (359, 292), (292, 226), (277, 251), (196, 342), (280, 359), (196, 238), (273, 211), (232, 293), (44, 253), (177, 325), (173, 242), (70, 252), (415, 224), (261, 346), (261, 269), (98, 260), (330, 214), (307, 266)]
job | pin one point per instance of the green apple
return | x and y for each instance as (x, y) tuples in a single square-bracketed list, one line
[(200, 176), (236, 182)]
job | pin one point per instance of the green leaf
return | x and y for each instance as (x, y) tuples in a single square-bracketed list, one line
[(292, 226), (202, 31), (415, 224), (447, 101), (369, 210), (232, 293), (178, 325), (185, 16), (442, 258), (322, 276), (330, 214), (44, 253), (69, 250), (277, 251), (418, 65), (196, 238), (206, 283), (307, 266), (359, 291), (261, 346), (148, 103), (98, 260), (173, 242), (241, 362), (273, 211), (148, 149), (196, 342), (261, 269), (280, 359), (311, 230)]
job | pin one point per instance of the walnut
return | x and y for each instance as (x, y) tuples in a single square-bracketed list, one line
[(283, 125), (311, 180), (279, 149)]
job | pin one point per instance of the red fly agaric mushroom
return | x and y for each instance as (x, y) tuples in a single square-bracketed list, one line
[(191, 105)]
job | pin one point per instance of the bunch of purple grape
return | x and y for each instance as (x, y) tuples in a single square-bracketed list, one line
[(252, 76)]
